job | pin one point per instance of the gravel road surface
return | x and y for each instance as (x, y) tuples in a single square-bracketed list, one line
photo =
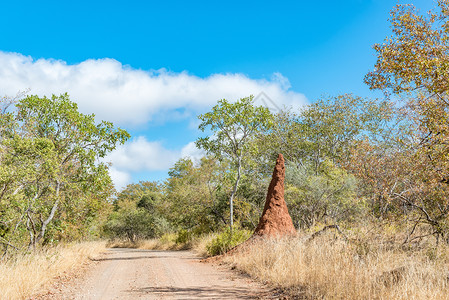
[(148, 274)]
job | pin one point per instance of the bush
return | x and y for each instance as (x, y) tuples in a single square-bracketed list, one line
[(314, 195), (131, 225), (224, 241), (184, 236)]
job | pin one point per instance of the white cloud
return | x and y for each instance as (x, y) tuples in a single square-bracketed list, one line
[(190, 150), (124, 95), (142, 155), (120, 178), (128, 96)]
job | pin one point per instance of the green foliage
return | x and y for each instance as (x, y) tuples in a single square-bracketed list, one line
[(135, 191), (183, 236), (50, 171), (225, 241), (326, 194), (149, 201), (250, 200), (325, 129), (234, 126), (192, 195), (137, 213), (132, 225)]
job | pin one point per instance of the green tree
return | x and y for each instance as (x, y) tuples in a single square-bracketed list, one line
[(131, 224), (326, 194), (325, 129), (192, 199), (49, 161), (134, 192), (138, 213), (233, 127)]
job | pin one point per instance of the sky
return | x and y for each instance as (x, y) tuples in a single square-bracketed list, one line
[(151, 67)]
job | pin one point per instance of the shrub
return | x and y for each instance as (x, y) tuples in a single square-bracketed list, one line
[(184, 236), (314, 194), (130, 224), (225, 241)]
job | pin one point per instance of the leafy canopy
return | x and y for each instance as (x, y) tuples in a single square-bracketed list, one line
[(232, 125), (416, 56)]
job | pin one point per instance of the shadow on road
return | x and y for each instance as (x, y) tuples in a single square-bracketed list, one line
[(212, 292), (129, 258)]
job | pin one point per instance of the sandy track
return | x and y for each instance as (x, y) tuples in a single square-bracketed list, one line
[(148, 274)]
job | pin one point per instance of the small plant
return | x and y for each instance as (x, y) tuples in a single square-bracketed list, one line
[(184, 236), (225, 241), (168, 238)]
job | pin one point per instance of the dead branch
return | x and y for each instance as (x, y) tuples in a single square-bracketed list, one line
[(412, 231), (326, 228)]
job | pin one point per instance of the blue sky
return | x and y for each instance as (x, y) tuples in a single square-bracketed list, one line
[(152, 66)]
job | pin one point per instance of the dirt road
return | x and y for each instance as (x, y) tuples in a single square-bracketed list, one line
[(147, 274)]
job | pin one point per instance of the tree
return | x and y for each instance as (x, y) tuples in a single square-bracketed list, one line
[(325, 129), (138, 213), (416, 56), (233, 126), (414, 63), (134, 192), (328, 193), (131, 224), (192, 199), (50, 160)]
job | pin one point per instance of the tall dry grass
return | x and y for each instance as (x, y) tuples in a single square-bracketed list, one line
[(329, 268), (26, 275)]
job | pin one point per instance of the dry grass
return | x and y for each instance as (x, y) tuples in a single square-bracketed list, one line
[(330, 268), (199, 245), (168, 242), (29, 274)]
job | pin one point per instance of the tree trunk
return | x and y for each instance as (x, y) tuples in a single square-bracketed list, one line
[(234, 191), (51, 216)]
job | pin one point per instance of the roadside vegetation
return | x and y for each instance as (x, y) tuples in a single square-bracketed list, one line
[(367, 180), (329, 267), (53, 186), (54, 189), (29, 274)]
